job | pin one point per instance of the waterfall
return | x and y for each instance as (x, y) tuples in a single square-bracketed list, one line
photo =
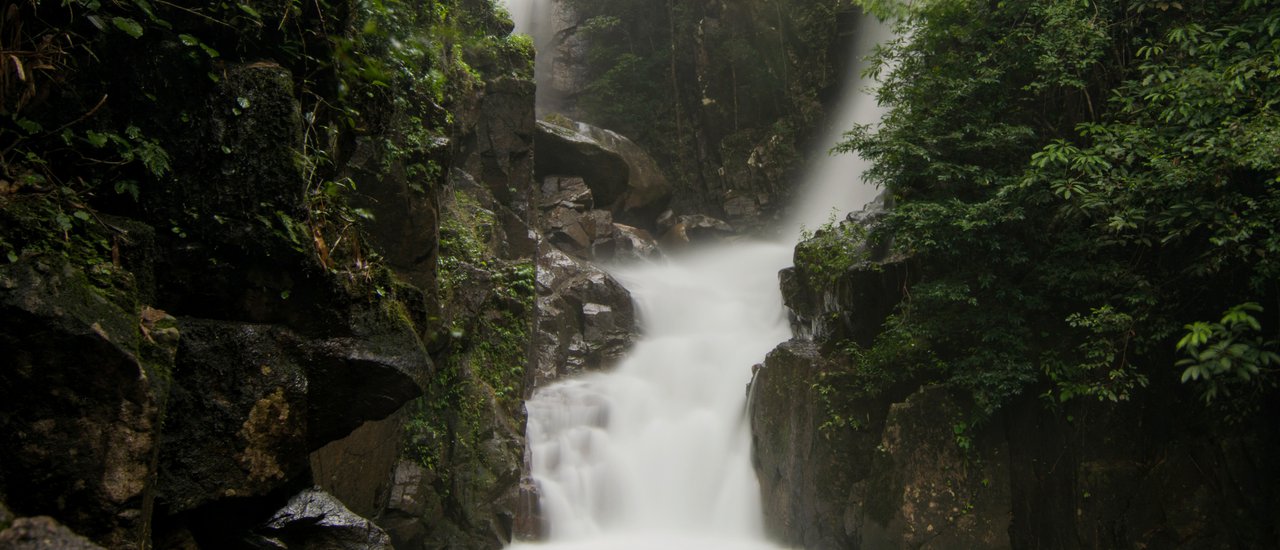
[(657, 453), (538, 20), (833, 185)]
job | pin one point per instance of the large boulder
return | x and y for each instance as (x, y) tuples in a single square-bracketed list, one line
[(84, 385), (806, 479), (585, 320), (251, 401), (622, 176), (929, 491), (885, 475)]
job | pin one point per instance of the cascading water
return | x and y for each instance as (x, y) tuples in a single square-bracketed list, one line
[(657, 453), (536, 18), (834, 185)]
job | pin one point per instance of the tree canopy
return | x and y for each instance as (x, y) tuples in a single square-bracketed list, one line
[(1092, 186)]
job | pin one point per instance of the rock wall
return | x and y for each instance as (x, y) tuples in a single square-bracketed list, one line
[(241, 261), (848, 461)]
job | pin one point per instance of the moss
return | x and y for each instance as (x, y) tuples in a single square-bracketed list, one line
[(267, 424)]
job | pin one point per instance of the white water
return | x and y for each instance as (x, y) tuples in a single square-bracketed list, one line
[(536, 19), (834, 186), (657, 453)]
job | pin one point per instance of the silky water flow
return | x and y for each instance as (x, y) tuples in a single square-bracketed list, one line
[(656, 453)]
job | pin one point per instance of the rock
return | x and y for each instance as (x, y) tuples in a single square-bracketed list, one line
[(315, 519), (565, 151), (666, 220), (623, 178), (934, 493), (251, 401), (355, 468), (84, 389), (696, 228), (806, 479), (530, 523), (239, 160), (496, 147), (892, 476), (633, 243), (6, 517), (577, 232), (586, 319), (647, 188), (853, 306), (741, 208), (562, 64), (570, 192), (42, 533), (574, 227), (407, 503)]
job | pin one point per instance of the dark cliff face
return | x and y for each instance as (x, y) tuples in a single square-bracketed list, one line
[(231, 248), (853, 458)]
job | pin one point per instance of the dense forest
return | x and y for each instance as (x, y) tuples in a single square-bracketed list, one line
[(1112, 168)]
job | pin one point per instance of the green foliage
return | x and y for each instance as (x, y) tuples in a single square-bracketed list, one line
[(1229, 352), (831, 251), (1076, 180)]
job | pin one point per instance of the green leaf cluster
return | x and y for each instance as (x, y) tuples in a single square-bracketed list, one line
[(1077, 181)]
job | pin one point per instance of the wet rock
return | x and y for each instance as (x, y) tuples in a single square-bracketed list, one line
[(42, 533), (741, 208), (570, 192), (408, 501), (805, 479), (577, 232), (570, 223), (563, 62), (586, 319), (355, 468), (84, 388), (496, 144), (696, 228), (567, 152), (853, 306), (239, 160), (315, 519), (933, 493), (666, 220), (890, 476), (633, 243), (530, 523), (623, 178), (251, 401)]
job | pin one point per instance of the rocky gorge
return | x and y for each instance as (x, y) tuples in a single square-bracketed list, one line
[(284, 275)]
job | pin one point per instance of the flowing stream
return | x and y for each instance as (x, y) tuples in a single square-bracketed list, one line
[(657, 452)]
